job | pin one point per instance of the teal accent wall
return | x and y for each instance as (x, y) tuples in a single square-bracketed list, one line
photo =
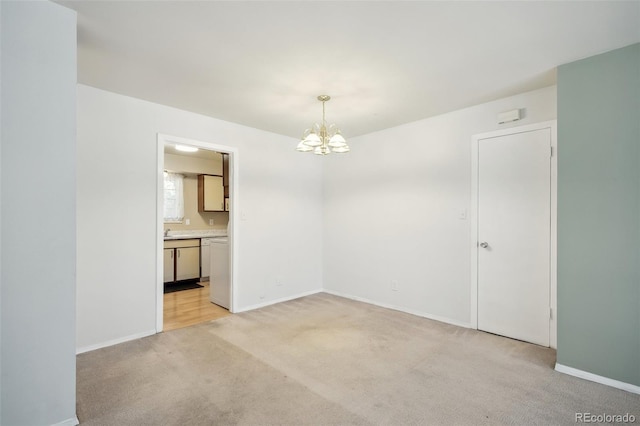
[(599, 214)]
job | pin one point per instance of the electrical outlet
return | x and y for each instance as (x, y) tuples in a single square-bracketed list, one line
[(266, 284), (187, 221), (278, 282), (211, 222), (394, 285)]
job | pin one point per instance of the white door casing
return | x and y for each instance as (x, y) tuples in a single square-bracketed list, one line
[(234, 220), (513, 212)]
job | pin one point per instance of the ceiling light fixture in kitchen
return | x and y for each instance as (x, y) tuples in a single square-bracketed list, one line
[(322, 139), (186, 148)]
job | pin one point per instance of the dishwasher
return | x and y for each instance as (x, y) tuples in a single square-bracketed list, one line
[(219, 279), (205, 261)]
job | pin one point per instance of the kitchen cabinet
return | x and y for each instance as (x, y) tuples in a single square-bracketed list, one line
[(210, 193), (183, 257), (169, 265), (205, 264), (187, 263)]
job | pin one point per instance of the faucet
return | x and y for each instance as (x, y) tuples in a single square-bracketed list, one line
[(166, 232)]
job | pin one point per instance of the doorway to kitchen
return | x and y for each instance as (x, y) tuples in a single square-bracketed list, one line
[(197, 195)]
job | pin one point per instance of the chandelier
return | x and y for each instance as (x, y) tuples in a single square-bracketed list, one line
[(322, 139)]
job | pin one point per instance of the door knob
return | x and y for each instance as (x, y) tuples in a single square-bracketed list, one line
[(484, 244)]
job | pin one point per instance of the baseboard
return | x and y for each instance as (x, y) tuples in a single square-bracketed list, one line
[(401, 309), (69, 422), (114, 341), (598, 379), (273, 302)]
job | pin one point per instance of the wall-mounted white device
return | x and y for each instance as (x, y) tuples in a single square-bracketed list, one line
[(508, 116)]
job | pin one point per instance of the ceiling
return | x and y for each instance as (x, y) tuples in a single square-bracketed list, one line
[(263, 63), (200, 153)]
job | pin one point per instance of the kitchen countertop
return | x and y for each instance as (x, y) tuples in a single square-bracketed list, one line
[(204, 233)]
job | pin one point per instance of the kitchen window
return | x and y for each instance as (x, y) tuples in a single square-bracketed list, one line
[(173, 197)]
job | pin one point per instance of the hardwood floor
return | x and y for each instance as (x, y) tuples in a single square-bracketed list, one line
[(190, 307)]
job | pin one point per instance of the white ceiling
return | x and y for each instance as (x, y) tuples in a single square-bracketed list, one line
[(200, 153), (263, 63)]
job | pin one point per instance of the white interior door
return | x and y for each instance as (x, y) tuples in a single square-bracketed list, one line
[(514, 235)]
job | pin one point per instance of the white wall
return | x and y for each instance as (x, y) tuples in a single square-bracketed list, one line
[(392, 207), (38, 111), (280, 198), (389, 210)]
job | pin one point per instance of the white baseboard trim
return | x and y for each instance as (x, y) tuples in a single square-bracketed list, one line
[(598, 379), (273, 302), (401, 309), (114, 341), (69, 422)]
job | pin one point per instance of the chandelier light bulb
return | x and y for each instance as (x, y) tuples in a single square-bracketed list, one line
[(337, 140), (341, 149), (303, 147), (322, 150), (312, 139)]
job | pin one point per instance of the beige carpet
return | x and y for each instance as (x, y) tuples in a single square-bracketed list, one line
[(325, 360)]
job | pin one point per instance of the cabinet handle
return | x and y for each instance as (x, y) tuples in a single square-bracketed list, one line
[(172, 254), (178, 253)]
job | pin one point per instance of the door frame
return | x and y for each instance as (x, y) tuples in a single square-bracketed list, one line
[(234, 219), (473, 216)]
